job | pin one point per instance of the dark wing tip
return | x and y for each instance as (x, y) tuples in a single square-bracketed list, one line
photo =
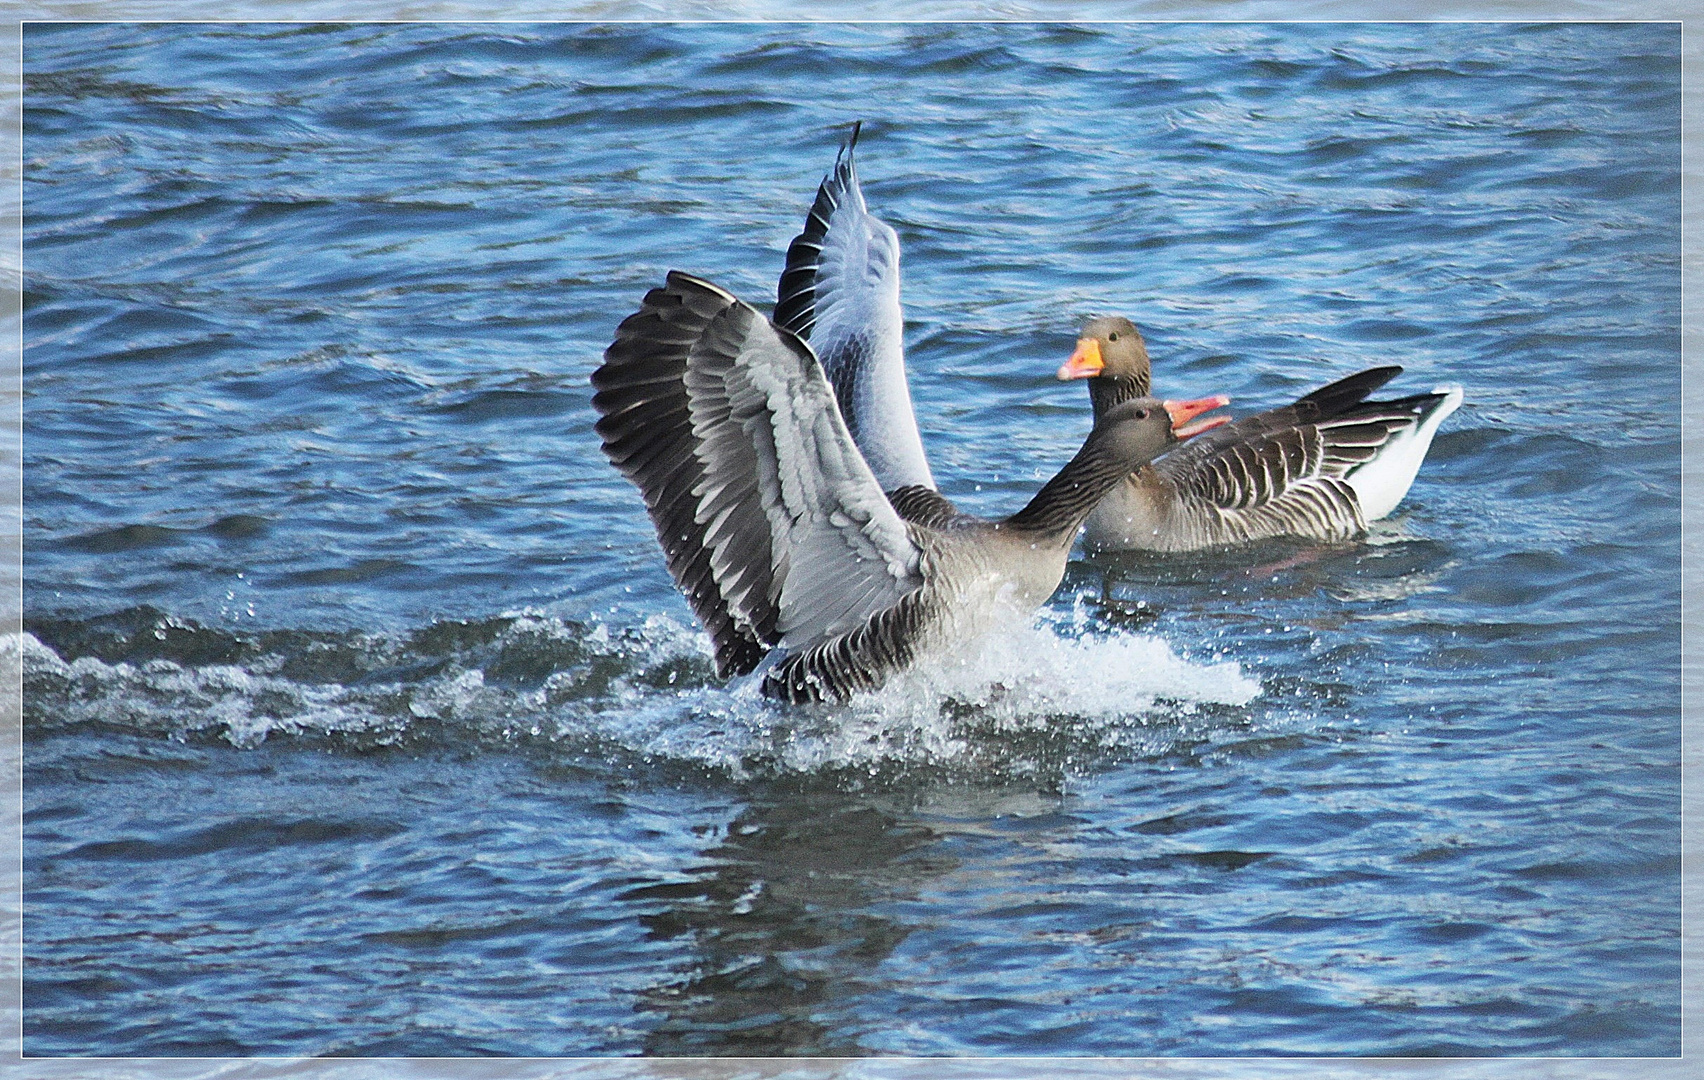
[(1333, 398), (851, 142)]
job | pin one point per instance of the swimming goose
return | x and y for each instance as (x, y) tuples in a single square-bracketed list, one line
[(773, 524), (840, 292), (1319, 469)]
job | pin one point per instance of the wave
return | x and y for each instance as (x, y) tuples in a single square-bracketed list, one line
[(1052, 691)]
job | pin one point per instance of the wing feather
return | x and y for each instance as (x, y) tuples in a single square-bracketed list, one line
[(840, 291), (1287, 470), (924, 506), (772, 524)]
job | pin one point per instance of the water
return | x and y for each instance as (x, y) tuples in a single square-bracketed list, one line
[(361, 717)]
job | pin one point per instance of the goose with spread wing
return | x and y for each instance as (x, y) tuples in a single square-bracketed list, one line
[(1319, 469), (773, 524)]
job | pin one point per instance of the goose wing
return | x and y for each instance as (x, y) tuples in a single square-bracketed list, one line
[(1289, 470), (840, 292), (772, 524)]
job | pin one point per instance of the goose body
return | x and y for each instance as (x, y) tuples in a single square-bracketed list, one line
[(775, 527), (840, 292), (1318, 469)]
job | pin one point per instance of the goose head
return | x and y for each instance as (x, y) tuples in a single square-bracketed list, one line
[(1140, 429), (1111, 354), (1133, 433), (1110, 348)]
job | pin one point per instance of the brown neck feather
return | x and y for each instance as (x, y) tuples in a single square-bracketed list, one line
[(1064, 501), (1105, 391)]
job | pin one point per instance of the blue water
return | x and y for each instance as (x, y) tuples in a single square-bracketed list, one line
[(361, 717)]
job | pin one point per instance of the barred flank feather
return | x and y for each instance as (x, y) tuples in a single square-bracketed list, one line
[(1320, 468)]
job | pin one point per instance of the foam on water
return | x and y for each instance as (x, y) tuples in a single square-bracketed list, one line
[(646, 690), (959, 708)]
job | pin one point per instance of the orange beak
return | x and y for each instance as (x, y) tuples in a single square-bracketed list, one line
[(1182, 412), (1084, 363)]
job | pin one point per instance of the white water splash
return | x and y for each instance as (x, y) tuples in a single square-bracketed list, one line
[(1031, 680), (161, 695), (1034, 682)]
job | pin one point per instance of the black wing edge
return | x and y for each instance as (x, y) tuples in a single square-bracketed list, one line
[(795, 295), (1347, 392), (646, 428)]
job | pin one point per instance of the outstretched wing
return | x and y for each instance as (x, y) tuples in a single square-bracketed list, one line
[(840, 292), (772, 524)]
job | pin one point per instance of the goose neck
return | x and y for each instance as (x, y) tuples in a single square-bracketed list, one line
[(1105, 391), (1064, 501)]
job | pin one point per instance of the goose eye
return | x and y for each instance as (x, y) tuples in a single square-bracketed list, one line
[(1141, 414), (1112, 336)]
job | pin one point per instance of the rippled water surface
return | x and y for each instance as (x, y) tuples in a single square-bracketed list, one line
[(361, 717)]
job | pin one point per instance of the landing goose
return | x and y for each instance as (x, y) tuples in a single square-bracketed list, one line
[(776, 529), (1319, 469), (840, 293)]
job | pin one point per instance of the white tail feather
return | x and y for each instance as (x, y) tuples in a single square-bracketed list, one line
[(1381, 483)]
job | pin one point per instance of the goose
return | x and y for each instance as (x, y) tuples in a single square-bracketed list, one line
[(774, 526), (1319, 469)]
